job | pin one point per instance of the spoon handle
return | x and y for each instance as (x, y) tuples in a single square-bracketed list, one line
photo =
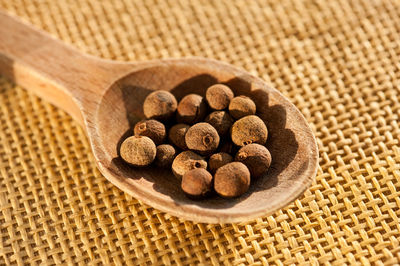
[(54, 71)]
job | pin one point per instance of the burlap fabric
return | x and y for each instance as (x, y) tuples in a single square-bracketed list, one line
[(338, 62)]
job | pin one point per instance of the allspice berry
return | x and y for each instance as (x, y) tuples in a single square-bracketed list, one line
[(185, 161), (256, 157), (221, 121), (232, 180), (177, 134), (197, 183), (138, 151), (241, 106), (249, 129), (191, 109), (160, 105), (202, 138), (219, 96), (152, 129), (217, 160), (165, 155)]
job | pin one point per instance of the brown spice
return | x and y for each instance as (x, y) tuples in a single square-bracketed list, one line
[(232, 180), (185, 161), (256, 157), (217, 160), (160, 105), (197, 183), (202, 138), (191, 109), (177, 135), (138, 151), (221, 121), (249, 129), (241, 106), (219, 96), (152, 129), (165, 155)]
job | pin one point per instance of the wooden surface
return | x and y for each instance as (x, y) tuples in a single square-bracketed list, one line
[(106, 97)]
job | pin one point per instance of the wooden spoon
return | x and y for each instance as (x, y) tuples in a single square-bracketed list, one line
[(106, 98)]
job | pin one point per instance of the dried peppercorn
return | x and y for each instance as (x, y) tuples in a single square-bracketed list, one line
[(160, 105), (256, 157), (165, 155), (202, 138), (138, 151), (232, 180), (217, 160), (177, 134), (241, 106), (249, 129), (151, 128), (191, 109), (185, 161), (197, 183), (219, 96), (221, 121)]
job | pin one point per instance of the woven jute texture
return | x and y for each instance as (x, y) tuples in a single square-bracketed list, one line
[(337, 61)]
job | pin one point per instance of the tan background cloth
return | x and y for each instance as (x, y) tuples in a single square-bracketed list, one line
[(337, 61)]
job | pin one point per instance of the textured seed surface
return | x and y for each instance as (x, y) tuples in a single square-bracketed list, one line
[(191, 109), (185, 161), (177, 134), (221, 121), (241, 106), (202, 138), (165, 155), (138, 151), (256, 157), (217, 160), (219, 96), (160, 105), (232, 180), (196, 183), (152, 129), (249, 129)]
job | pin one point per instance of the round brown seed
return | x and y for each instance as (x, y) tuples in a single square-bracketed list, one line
[(217, 160), (256, 157), (165, 155), (196, 183), (152, 129), (185, 161), (177, 135), (232, 180), (202, 138), (138, 151), (249, 129), (241, 106), (221, 121), (159, 105), (191, 109), (219, 96)]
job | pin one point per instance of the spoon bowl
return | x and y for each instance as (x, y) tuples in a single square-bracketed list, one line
[(106, 97), (290, 142)]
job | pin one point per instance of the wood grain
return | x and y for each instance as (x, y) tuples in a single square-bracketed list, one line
[(106, 98)]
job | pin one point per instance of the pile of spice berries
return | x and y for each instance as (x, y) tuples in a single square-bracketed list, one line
[(212, 143)]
